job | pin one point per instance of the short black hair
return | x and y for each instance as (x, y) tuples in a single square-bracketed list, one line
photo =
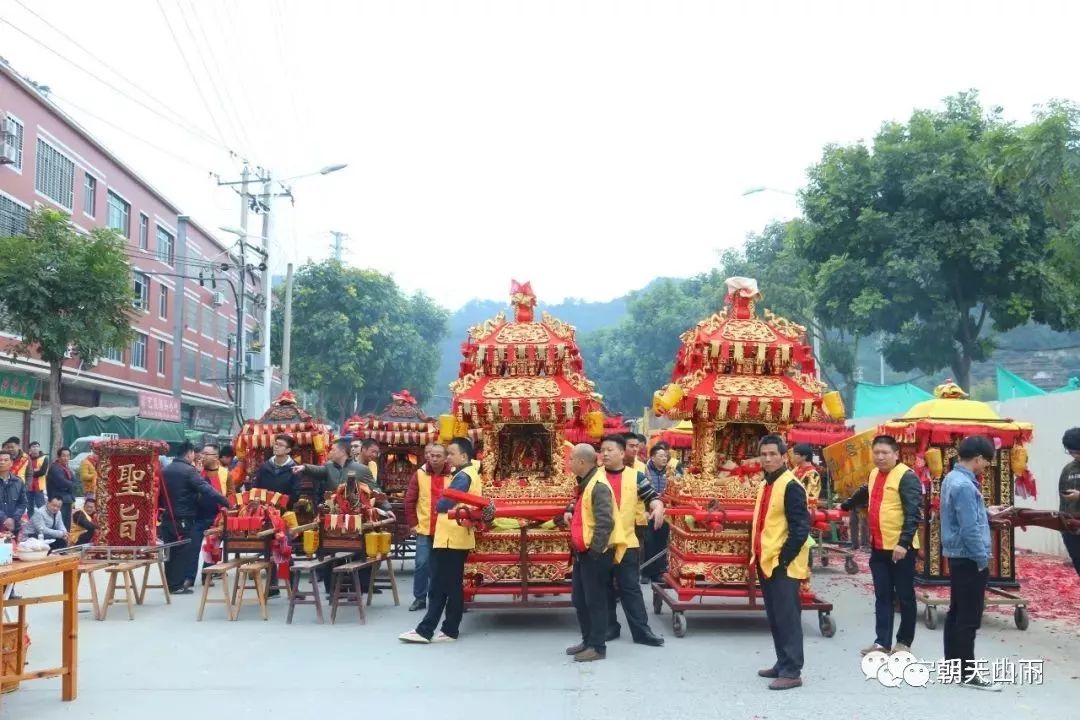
[(804, 449), (61, 451), (464, 445), (184, 448), (57, 498), (287, 439), (13, 441), (641, 438), (629, 436), (368, 442), (6, 452), (35, 442), (343, 445), (976, 446), (619, 440), (886, 440), (227, 451), (658, 447), (776, 440), (1071, 439), (212, 445)]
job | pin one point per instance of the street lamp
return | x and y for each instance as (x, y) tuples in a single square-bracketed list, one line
[(762, 188)]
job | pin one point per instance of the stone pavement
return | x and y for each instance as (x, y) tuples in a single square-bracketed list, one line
[(165, 666)]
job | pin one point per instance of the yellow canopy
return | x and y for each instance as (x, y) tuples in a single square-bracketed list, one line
[(954, 410)]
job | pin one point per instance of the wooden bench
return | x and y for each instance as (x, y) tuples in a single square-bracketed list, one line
[(159, 562), (252, 571), (374, 583), (218, 570), (124, 571), (307, 597), (88, 568), (349, 573)]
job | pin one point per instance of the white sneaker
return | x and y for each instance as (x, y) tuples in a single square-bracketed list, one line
[(442, 638), (978, 683), (413, 637)]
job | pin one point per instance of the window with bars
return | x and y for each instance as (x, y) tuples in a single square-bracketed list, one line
[(162, 352), (13, 217), (55, 178), (142, 291), (115, 354), (119, 214), (90, 195), (138, 351), (166, 246), (17, 141), (144, 232), (163, 302)]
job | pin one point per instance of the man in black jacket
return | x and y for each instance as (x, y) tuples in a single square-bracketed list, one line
[(13, 498), (60, 482), (276, 474), (182, 486)]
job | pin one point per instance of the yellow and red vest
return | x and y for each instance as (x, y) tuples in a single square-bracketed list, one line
[(219, 479), (19, 468), (885, 512), (626, 503), (449, 535), (34, 484), (770, 530), (583, 522), (808, 475), (374, 468), (640, 514), (429, 489)]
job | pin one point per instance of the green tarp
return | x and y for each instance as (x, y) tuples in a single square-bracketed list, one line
[(125, 427), (1072, 386), (1011, 386), (887, 400)]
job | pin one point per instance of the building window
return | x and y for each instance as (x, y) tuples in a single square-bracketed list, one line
[(222, 372), (223, 329), (163, 302), (191, 314), (189, 364), (13, 217), (15, 129), (207, 370), (166, 250), (207, 321), (138, 351), (144, 232), (115, 354), (119, 215), (90, 195), (142, 291), (162, 350), (55, 175)]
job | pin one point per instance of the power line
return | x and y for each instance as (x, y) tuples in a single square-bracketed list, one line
[(172, 121), (237, 78)]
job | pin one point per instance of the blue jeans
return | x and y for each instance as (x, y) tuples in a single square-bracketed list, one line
[(423, 567)]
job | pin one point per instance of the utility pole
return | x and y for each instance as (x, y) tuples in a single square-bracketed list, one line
[(267, 371), (179, 301), (241, 330), (286, 333), (339, 240)]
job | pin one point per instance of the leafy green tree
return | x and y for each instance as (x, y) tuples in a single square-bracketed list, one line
[(65, 293), (936, 228)]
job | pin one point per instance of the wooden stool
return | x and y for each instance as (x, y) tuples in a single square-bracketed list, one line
[(252, 571), (349, 572), (88, 568), (306, 597), (145, 585), (220, 570), (392, 580), (126, 571)]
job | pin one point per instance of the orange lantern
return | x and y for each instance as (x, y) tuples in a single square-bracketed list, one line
[(934, 462), (446, 428), (594, 424), (834, 405)]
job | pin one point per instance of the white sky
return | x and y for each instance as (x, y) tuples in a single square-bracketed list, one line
[(530, 140)]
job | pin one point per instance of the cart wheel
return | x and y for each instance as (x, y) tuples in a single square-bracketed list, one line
[(657, 603), (678, 624), (824, 559), (930, 617), (850, 566), (826, 624), (1021, 617)]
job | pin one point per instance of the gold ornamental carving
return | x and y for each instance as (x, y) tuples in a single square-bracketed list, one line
[(750, 386), (521, 387), (477, 332), (560, 328), (524, 333), (753, 330), (785, 327)]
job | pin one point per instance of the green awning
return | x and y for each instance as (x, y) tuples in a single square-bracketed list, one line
[(887, 400), (1010, 385)]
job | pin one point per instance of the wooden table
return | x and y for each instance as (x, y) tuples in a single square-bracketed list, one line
[(21, 572)]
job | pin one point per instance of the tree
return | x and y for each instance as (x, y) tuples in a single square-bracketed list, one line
[(65, 293), (357, 338), (936, 228)]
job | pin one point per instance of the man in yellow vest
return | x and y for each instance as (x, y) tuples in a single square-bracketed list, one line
[(893, 496), (36, 482), (369, 455), (450, 547), (632, 459), (779, 553), (630, 488), (423, 493), (596, 539), (217, 475)]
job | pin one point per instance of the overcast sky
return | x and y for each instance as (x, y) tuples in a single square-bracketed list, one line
[(585, 146)]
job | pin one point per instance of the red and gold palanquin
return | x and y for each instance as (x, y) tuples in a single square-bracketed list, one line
[(929, 434), (737, 377), (255, 441), (128, 486), (521, 385), (402, 430)]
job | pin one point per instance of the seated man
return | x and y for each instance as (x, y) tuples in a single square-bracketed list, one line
[(48, 523), (82, 523)]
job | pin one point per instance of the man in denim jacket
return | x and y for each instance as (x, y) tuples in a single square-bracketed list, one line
[(965, 541)]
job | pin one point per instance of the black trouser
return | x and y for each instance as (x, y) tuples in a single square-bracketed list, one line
[(893, 582), (446, 592), (656, 541), (626, 575), (176, 569), (967, 590), (782, 607), (57, 544), (589, 591), (65, 512), (1072, 545)]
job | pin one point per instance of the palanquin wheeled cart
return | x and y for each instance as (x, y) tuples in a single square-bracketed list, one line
[(737, 377)]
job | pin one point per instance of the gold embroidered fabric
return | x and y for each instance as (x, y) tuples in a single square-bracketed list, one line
[(521, 387), (530, 333), (748, 331), (750, 386)]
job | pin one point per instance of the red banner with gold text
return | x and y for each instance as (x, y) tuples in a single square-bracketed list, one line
[(127, 491)]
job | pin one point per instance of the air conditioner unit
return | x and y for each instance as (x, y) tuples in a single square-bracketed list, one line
[(253, 364), (7, 142), (217, 299)]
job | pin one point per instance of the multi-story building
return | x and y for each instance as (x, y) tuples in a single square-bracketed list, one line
[(185, 330)]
